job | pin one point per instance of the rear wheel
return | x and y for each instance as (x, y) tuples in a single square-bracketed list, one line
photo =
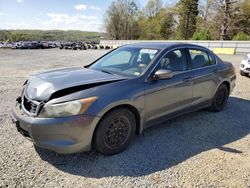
[(115, 132), (220, 99)]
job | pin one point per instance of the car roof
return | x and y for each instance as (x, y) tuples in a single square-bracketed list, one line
[(162, 45)]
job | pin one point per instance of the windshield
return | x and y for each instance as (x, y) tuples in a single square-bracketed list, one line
[(127, 61)]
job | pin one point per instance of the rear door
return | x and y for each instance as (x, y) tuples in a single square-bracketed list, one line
[(205, 78)]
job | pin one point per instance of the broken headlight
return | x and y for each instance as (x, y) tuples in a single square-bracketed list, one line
[(67, 108)]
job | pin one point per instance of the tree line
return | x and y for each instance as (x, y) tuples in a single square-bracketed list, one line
[(187, 19), (48, 35)]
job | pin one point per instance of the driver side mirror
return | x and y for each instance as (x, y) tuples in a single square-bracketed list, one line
[(163, 74)]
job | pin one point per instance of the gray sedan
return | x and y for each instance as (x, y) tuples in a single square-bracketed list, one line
[(105, 104)]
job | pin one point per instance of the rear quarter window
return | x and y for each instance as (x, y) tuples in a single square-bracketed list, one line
[(212, 58), (200, 58)]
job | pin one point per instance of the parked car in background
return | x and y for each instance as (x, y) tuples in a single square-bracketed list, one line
[(52, 45), (16, 45), (73, 46), (36, 45), (79, 46), (28, 45), (104, 104), (6, 45), (101, 46), (67, 45), (245, 66)]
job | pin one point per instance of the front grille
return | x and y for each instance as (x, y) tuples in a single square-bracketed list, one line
[(248, 69), (29, 106)]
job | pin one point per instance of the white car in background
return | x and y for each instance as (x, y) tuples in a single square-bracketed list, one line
[(245, 66)]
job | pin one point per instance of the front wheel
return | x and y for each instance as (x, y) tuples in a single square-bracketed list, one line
[(115, 132), (220, 99)]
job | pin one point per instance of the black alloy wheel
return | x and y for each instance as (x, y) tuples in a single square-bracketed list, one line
[(220, 98), (115, 131)]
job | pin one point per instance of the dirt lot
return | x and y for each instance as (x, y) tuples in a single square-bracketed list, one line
[(201, 149)]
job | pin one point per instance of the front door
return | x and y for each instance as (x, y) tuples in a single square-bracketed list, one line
[(163, 97)]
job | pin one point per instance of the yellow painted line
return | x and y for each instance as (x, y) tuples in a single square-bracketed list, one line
[(228, 51)]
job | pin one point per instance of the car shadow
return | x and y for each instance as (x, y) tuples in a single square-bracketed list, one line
[(163, 146)]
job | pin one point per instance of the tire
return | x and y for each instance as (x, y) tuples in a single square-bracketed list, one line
[(220, 98), (243, 73), (115, 132)]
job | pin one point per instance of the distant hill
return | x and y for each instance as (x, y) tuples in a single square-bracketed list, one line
[(49, 35)]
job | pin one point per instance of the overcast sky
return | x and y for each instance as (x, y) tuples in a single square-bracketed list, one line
[(84, 15)]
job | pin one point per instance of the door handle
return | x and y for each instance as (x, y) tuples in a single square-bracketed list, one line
[(187, 79)]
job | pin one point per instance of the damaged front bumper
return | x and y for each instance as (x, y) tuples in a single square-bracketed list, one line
[(62, 135)]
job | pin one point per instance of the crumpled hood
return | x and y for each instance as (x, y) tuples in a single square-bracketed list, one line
[(41, 86)]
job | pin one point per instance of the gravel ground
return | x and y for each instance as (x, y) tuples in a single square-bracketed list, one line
[(201, 149)]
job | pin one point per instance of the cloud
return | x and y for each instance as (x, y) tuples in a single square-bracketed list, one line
[(84, 7), (57, 18), (60, 21), (19, 1), (80, 7), (73, 22), (95, 8), (2, 14), (66, 19)]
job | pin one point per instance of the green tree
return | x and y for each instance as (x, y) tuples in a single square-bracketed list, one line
[(155, 21), (188, 12), (167, 25), (202, 35), (121, 19), (226, 5), (52, 35), (240, 18), (241, 36), (206, 9), (153, 7)]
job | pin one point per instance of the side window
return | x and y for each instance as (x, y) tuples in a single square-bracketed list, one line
[(200, 58), (174, 61)]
